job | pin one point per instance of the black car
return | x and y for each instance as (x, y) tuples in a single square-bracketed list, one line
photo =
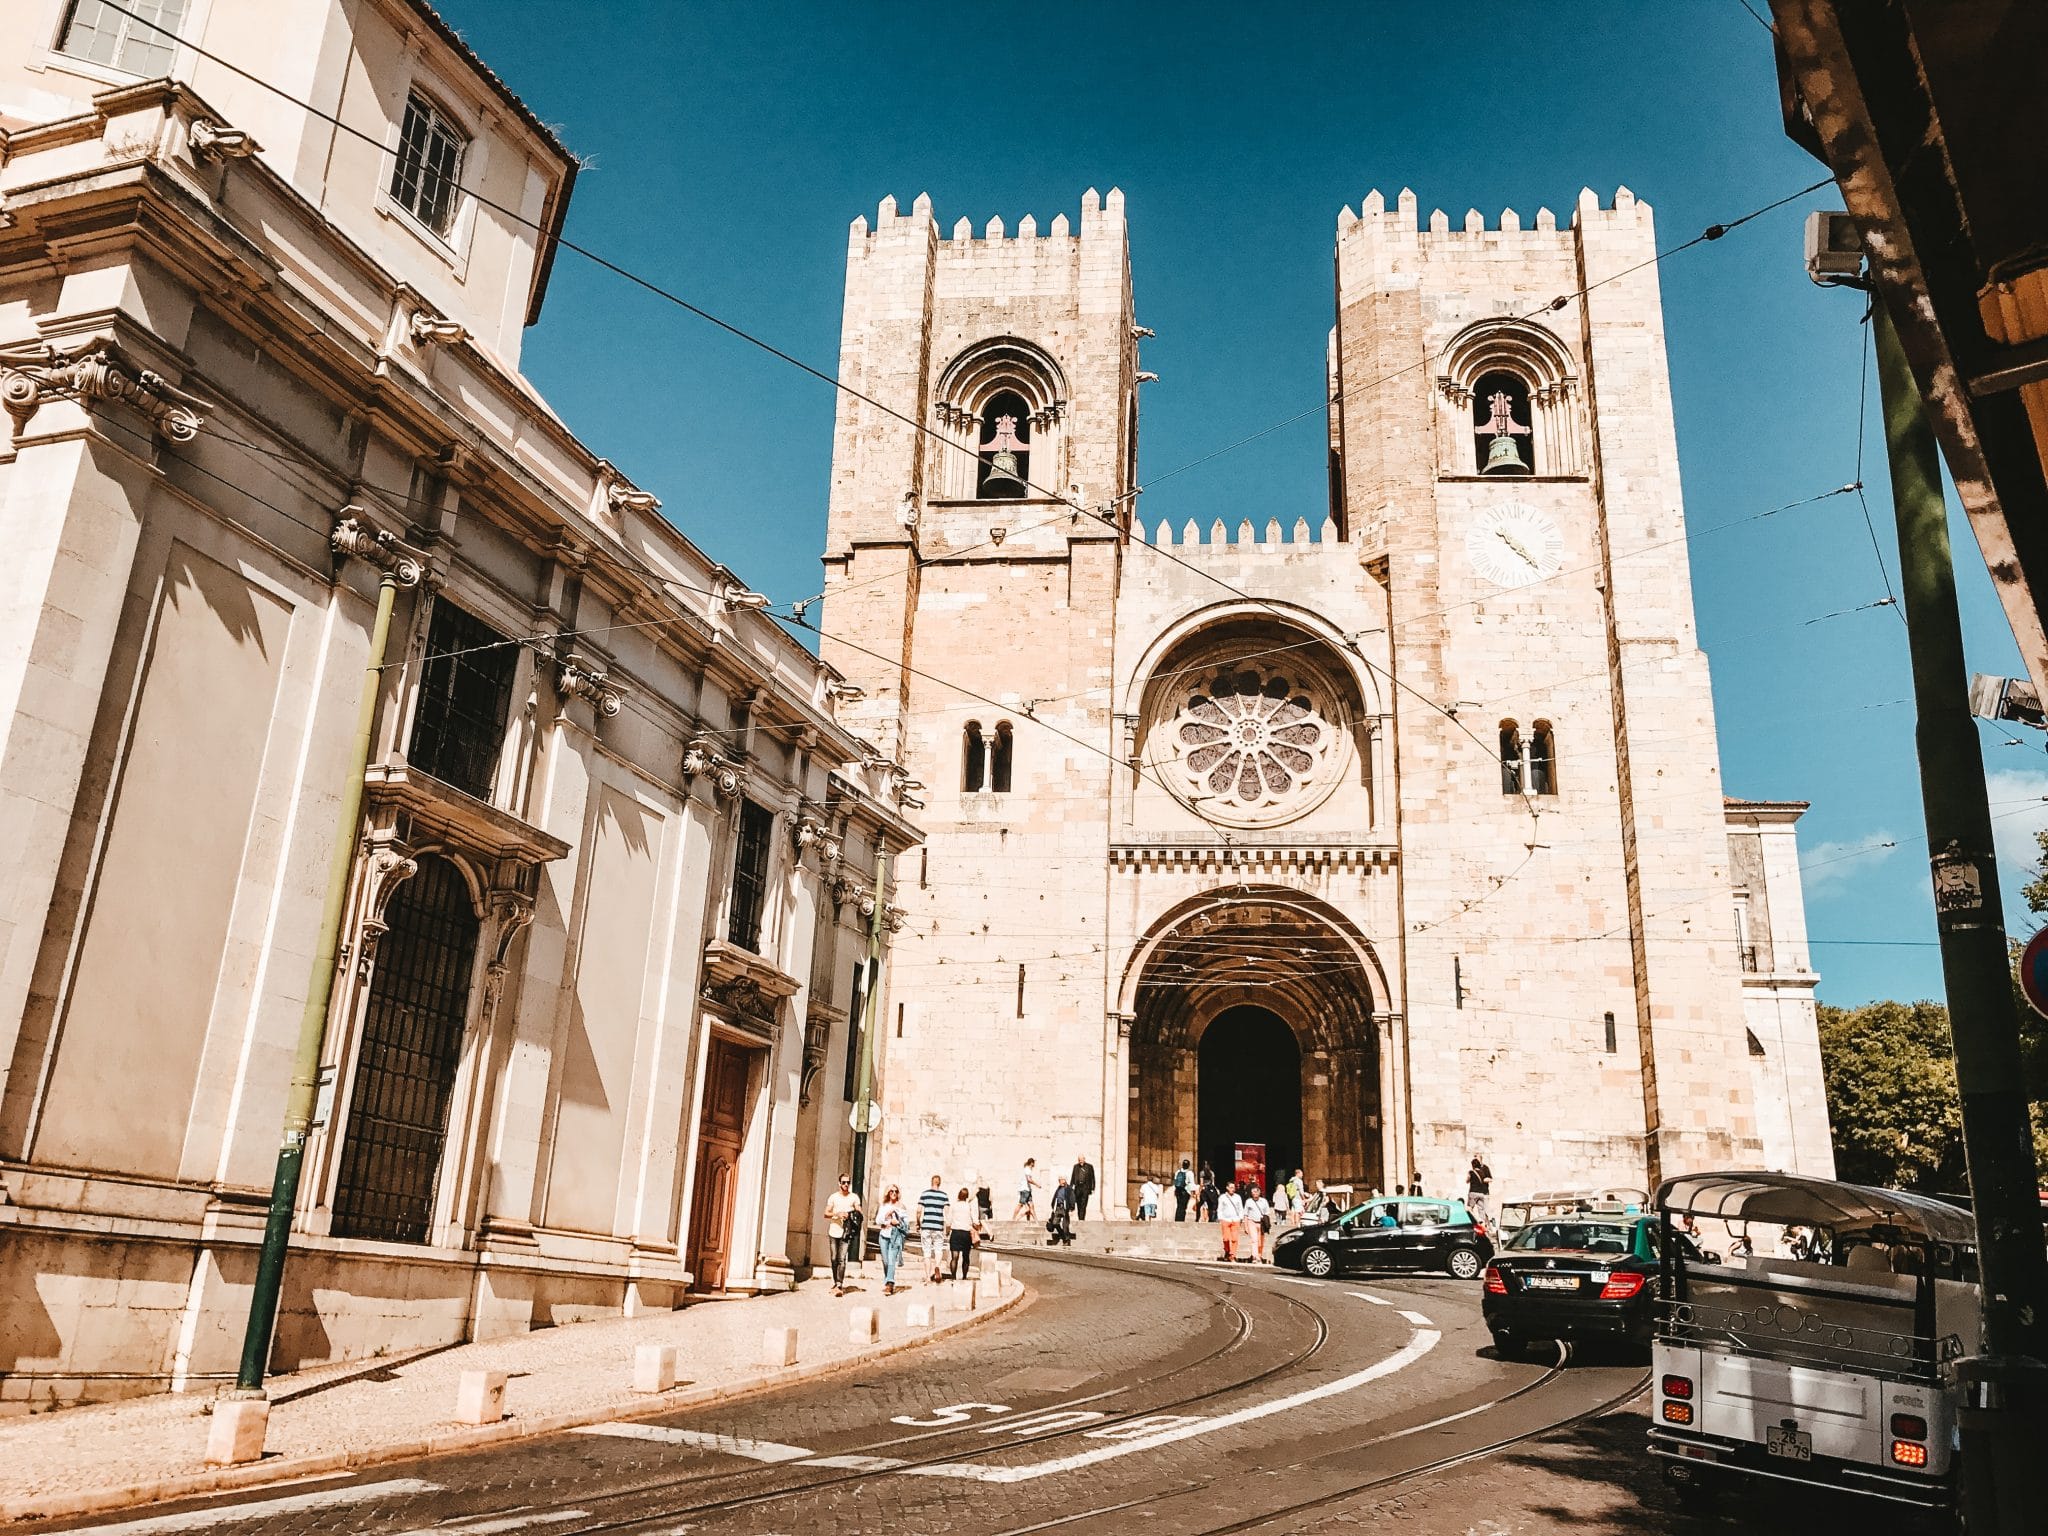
[(1576, 1277), (1399, 1232)]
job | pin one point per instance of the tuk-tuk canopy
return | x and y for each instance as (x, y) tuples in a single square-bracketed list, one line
[(1790, 1199)]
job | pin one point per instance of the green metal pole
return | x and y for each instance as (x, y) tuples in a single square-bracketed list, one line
[(298, 1104), (2006, 1478), (864, 1074)]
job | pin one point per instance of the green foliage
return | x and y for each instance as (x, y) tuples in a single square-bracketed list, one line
[(1891, 1080)]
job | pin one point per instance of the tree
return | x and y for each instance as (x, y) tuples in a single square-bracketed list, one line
[(1891, 1083)]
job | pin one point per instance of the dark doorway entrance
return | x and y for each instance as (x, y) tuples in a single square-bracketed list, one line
[(1249, 1069)]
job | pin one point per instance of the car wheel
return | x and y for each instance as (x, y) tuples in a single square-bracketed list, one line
[(1463, 1263), (1506, 1346), (1318, 1261)]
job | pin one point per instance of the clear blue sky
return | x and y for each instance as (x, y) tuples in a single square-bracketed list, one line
[(731, 144)]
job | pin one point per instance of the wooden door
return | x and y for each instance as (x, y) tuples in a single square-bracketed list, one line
[(724, 1132)]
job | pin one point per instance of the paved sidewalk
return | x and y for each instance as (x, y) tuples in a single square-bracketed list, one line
[(117, 1455)]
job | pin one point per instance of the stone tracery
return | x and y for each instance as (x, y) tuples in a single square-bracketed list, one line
[(1251, 739)]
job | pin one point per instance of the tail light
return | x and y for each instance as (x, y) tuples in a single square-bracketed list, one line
[(1622, 1286), (1496, 1282), (1909, 1453), (1909, 1426), (1681, 1413), (1681, 1386)]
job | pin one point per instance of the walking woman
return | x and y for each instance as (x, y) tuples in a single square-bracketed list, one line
[(892, 1223), (961, 1221), (1027, 1192)]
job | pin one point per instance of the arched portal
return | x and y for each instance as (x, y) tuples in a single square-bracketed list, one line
[(1226, 993), (1248, 1071)]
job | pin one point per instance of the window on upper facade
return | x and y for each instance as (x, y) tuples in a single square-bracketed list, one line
[(1000, 757), (1542, 760), (1501, 424), (139, 38), (1510, 758), (973, 759), (429, 167), (458, 729), (750, 875), (855, 1013), (1005, 448)]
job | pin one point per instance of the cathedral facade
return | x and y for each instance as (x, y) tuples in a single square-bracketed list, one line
[(1373, 834)]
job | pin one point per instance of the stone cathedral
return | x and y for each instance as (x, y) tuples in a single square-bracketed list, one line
[(1375, 833)]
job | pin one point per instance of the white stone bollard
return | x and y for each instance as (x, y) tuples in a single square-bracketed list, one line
[(236, 1434), (654, 1367), (962, 1297), (480, 1397), (863, 1325), (778, 1346), (918, 1315)]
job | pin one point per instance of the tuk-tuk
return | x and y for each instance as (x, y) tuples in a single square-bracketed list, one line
[(1562, 1204), (1829, 1363)]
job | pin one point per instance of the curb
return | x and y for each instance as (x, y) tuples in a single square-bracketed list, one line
[(292, 1468)]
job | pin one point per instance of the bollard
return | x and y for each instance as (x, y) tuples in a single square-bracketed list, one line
[(654, 1367), (918, 1315), (480, 1398), (778, 1346), (863, 1325), (236, 1434), (962, 1297)]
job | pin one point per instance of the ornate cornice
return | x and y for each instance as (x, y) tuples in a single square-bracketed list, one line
[(35, 371), (576, 678), (702, 758), (355, 537)]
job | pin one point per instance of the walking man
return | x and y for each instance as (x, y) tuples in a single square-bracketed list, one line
[(1061, 1224), (1183, 1187), (1478, 1185), (1082, 1182), (842, 1213), (1230, 1221), (931, 1228)]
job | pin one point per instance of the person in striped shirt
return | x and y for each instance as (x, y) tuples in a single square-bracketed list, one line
[(931, 1226)]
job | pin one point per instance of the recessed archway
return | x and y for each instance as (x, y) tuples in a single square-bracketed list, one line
[(1248, 1068)]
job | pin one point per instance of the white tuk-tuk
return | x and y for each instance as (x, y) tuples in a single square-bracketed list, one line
[(1828, 1361)]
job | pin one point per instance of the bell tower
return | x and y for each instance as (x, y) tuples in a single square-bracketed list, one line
[(967, 541)]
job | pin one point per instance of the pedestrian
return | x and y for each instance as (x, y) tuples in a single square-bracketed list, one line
[(931, 1228), (1061, 1223), (841, 1223), (1027, 1192), (961, 1220), (1297, 1196), (1148, 1199), (892, 1225), (1478, 1185), (1281, 1204), (1210, 1193), (1230, 1221), (1082, 1182), (983, 1200), (1258, 1221), (1183, 1189)]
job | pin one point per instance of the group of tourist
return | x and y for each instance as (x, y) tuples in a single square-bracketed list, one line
[(947, 1230)]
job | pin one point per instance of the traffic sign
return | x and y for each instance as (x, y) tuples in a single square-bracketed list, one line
[(864, 1122), (2034, 972)]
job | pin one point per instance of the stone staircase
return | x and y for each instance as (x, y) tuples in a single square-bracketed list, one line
[(1189, 1240)]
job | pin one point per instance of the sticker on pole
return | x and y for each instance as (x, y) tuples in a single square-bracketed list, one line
[(864, 1116), (2034, 972)]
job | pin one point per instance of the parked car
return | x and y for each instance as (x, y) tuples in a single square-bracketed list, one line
[(1397, 1232), (1576, 1277)]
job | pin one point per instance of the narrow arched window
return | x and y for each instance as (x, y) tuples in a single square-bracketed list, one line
[(1542, 760), (1510, 758), (1005, 448), (1501, 418), (973, 758), (1000, 758)]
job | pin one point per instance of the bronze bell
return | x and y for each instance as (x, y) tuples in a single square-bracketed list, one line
[(1504, 458), (1002, 478)]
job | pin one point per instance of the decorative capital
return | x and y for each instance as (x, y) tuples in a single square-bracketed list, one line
[(429, 329), (867, 903), (354, 537), (895, 918), (210, 139), (577, 679), (702, 756), (627, 497), (805, 831), (32, 372)]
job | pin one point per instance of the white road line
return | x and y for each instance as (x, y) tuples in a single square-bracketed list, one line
[(262, 1509), (1420, 1345), (1418, 1319), (851, 1463), (496, 1525), (1378, 1301), (730, 1445)]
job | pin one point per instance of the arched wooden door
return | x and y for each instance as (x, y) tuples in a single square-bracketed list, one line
[(727, 1074)]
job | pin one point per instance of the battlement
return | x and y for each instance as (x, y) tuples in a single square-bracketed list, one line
[(1221, 536), (1100, 216), (1374, 216)]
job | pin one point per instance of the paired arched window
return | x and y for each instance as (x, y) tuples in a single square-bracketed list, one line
[(1530, 761), (1513, 402), (987, 759)]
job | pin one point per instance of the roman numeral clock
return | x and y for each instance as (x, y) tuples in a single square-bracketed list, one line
[(1514, 544)]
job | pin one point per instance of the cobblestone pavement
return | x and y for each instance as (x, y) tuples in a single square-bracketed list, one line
[(1127, 1397)]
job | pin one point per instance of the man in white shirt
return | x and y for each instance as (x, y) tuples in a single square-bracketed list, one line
[(840, 1231), (1256, 1214), (1230, 1220)]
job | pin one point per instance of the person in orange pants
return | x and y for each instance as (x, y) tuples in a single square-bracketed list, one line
[(1230, 1221)]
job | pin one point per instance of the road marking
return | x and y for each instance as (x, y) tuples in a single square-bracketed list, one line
[(493, 1526), (260, 1509), (730, 1445), (1418, 1319), (1057, 1418), (958, 1413), (1420, 1345), (1378, 1301), (851, 1463), (1151, 1423)]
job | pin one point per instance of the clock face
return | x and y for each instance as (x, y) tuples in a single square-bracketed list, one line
[(1513, 544)]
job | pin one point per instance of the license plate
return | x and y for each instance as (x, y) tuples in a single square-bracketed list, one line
[(1791, 1444), (1553, 1282)]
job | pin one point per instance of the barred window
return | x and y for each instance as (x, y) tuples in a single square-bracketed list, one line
[(458, 733), (429, 167), (1000, 756), (750, 876), (140, 42)]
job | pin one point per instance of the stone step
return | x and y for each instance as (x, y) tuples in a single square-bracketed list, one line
[(1129, 1239)]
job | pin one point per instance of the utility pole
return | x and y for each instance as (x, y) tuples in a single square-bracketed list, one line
[(397, 567), (864, 1075), (2004, 1418)]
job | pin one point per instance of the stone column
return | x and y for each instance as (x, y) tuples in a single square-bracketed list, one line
[(1117, 1172)]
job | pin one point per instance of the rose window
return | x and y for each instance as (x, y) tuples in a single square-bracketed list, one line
[(1251, 740)]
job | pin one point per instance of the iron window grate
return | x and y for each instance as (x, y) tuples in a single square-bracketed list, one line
[(750, 876), (458, 733)]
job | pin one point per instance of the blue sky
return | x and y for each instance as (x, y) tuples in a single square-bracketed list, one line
[(731, 144)]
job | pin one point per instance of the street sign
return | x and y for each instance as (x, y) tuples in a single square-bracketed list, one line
[(864, 1122), (2034, 972)]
